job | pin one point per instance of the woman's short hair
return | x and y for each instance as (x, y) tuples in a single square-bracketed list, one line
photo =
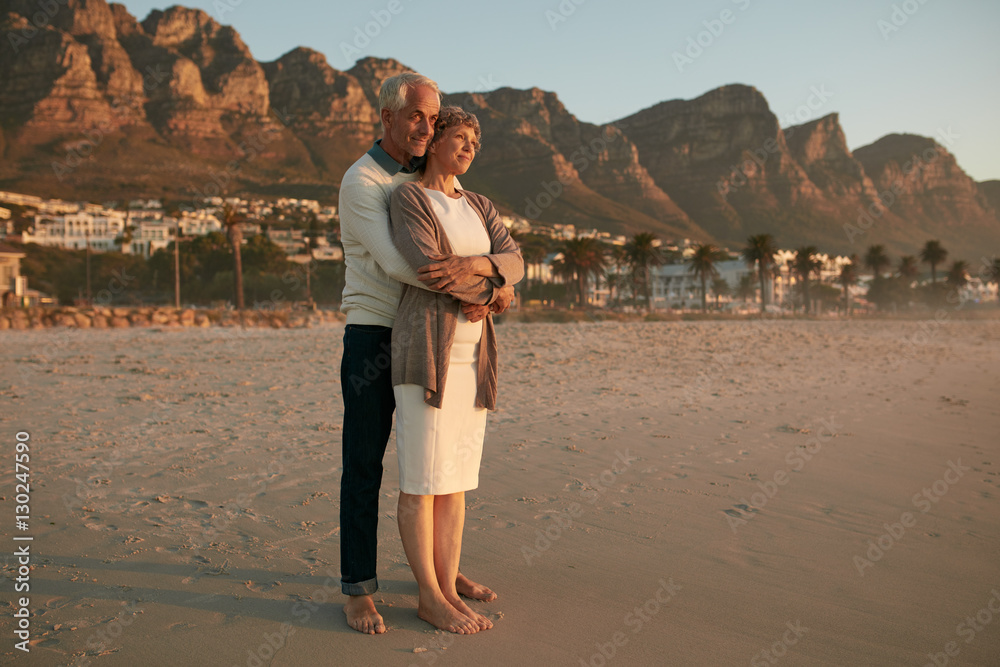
[(452, 116), (392, 95)]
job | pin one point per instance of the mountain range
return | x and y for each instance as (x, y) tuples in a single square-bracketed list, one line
[(95, 104)]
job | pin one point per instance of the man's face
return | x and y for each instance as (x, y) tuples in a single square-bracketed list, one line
[(412, 127)]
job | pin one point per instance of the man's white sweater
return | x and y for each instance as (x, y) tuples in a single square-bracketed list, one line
[(374, 266)]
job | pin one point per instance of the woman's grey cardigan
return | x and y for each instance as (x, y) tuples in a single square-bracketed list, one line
[(425, 323)]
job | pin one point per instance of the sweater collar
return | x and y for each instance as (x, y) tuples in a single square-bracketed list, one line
[(388, 164)]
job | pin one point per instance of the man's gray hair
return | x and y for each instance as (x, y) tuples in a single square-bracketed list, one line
[(392, 95)]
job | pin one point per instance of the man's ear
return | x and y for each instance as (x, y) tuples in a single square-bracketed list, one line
[(386, 115)]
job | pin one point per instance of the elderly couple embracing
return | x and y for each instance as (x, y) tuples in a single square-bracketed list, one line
[(427, 265)]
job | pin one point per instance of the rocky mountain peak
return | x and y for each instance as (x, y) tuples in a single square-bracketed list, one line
[(125, 23), (181, 28), (76, 17), (371, 72), (820, 147), (923, 178)]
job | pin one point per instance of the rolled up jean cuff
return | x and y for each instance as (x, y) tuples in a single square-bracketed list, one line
[(368, 587)]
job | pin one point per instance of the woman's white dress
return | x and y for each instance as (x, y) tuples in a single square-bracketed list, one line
[(440, 450)]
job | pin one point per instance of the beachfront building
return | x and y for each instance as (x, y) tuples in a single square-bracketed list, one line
[(674, 286), (11, 282), (148, 236), (977, 290), (786, 284), (671, 286), (75, 230), (14, 291)]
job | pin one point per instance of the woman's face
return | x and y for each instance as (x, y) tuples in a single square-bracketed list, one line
[(455, 150)]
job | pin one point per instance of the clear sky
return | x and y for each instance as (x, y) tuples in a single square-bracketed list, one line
[(929, 67)]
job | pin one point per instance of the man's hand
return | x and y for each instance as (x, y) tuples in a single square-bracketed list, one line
[(448, 270), (503, 300), (474, 311)]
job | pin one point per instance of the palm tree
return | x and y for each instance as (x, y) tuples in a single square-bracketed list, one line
[(848, 276), (759, 252), (643, 252), (720, 288), (231, 220), (804, 264), (908, 268), (993, 274), (958, 274), (746, 290), (933, 253), (617, 259), (534, 250), (582, 258), (702, 265), (877, 260), (127, 235)]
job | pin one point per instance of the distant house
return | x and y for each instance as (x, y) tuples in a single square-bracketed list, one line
[(289, 240), (12, 284)]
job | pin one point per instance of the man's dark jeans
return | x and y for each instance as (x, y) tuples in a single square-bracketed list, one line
[(366, 382)]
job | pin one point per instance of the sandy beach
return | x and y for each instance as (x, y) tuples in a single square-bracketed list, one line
[(665, 493)]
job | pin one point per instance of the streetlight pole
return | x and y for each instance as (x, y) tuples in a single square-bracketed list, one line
[(177, 267), (87, 235)]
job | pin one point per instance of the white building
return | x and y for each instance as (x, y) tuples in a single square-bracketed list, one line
[(148, 236), (51, 206), (786, 281), (198, 223), (74, 230), (327, 252), (291, 241), (674, 286), (327, 213), (304, 204)]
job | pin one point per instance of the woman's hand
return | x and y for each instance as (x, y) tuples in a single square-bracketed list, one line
[(503, 300), (448, 270), (474, 311)]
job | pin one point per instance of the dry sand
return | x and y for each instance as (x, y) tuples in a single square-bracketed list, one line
[(667, 493)]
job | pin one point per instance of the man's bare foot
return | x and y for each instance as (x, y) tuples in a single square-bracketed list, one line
[(481, 621), (444, 616), (471, 589), (362, 616)]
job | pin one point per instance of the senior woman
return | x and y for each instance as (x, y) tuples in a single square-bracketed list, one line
[(444, 363)]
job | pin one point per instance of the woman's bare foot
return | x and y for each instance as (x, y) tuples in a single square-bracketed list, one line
[(444, 616), (471, 589), (481, 621), (362, 615)]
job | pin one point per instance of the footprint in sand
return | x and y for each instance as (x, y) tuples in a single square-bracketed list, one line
[(177, 627), (741, 506), (260, 587)]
